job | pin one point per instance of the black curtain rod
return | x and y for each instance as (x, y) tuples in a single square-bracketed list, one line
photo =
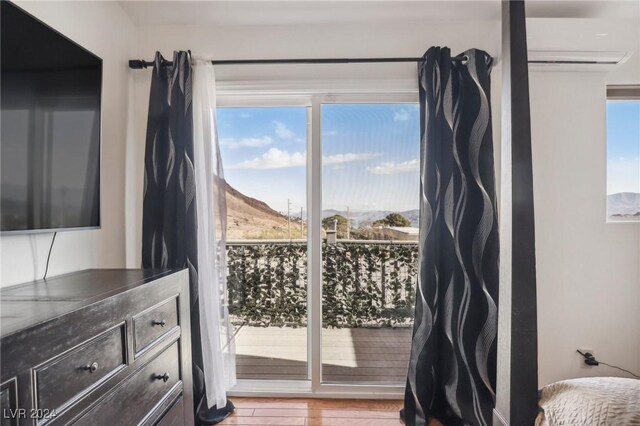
[(139, 64)]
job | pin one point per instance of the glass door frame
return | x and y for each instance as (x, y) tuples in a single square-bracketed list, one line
[(313, 101)]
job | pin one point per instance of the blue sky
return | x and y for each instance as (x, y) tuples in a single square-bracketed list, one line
[(623, 147), (370, 155), (263, 153)]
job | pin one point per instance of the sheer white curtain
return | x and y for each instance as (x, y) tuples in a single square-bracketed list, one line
[(217, 337)]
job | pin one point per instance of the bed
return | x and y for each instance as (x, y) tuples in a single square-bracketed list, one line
[(593, 401)]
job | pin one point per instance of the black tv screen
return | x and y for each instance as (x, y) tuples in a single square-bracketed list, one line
[(50, 119)]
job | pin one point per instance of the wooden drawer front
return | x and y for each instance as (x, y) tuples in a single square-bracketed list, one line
[(62, 379), (9, 403), (131, 402), (154, 323), (175, 415)]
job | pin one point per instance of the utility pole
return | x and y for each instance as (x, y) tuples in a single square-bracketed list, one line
[(348, 224), (289, 216)]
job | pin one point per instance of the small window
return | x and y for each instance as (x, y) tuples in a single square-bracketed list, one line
[(623, 153)]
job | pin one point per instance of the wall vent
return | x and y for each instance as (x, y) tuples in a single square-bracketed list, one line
[(573, 59)]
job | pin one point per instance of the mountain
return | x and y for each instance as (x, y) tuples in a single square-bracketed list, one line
[(249, 218), (413, 216), (366, 218), (623, 204)]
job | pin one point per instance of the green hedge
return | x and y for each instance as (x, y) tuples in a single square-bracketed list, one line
[(364, 284)]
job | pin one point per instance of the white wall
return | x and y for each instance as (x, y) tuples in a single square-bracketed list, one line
[(104, 29), (588, 270)]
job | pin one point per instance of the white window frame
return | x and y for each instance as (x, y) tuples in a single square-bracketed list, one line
[(618, 93), (313, 387)]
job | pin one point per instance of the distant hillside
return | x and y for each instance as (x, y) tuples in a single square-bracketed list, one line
[(233, 194), (248, 218), (362, 219), (623, 204)]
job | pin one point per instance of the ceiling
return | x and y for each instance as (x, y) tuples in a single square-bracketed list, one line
[(301, 12), (313, 12)]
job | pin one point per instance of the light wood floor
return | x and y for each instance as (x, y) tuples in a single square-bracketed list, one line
[(353, 355), (326, 412)]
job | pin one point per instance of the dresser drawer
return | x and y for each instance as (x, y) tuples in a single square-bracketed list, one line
[(8, 403), (153, 323), (174, 416), (137, 397), (59, 381)]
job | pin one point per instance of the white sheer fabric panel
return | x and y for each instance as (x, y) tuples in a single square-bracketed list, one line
[(217, 336)]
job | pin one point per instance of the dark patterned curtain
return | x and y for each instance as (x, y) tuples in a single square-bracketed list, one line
[(169, 238), (452, 367)]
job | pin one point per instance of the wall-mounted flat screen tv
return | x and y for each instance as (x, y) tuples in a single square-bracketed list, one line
[(50, 128)]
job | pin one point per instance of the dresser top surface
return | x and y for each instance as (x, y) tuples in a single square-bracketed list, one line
[(27, 304)]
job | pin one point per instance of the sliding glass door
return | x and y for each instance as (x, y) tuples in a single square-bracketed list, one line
[(370, 185), (263, 151), (322, 202)]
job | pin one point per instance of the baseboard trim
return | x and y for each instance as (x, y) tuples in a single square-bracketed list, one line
[(498, 419)]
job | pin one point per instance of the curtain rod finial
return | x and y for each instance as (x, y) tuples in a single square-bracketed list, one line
[(137, 64)]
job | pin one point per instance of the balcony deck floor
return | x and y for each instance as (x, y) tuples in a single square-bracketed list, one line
[(351, 355)]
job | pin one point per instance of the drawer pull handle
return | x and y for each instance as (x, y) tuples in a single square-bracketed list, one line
[(92, 368), (161, 323), (164, 377)]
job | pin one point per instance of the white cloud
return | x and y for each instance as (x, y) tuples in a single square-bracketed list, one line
[(391, 168), (348, 158), (245, 115), (283, 131), (234, 143), (330, 133), (401, 115), (275, 158)]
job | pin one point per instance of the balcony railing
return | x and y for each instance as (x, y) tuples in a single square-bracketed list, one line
[(365, 283)]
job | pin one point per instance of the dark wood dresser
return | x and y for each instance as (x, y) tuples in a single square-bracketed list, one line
[(97, 347)]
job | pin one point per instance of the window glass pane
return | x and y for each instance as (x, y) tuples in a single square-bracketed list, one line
[(623, 160), (370, 194), (264, 157)]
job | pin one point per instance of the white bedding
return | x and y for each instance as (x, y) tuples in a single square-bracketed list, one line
[(593, 401)]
